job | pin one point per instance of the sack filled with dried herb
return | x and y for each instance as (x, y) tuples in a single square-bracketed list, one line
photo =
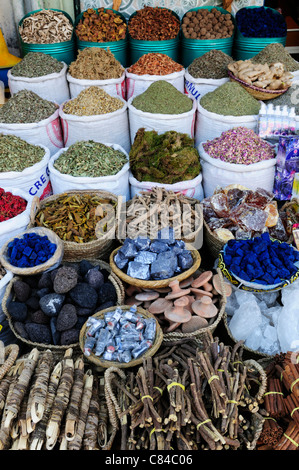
[(166, 158)]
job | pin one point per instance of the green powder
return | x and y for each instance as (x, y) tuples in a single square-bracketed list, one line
[(166, 158), (162, 97), (230, 99), (36, 64)]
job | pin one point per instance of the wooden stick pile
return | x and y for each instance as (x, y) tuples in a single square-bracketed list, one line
[(281, 401), (188, 398), (47, 404)]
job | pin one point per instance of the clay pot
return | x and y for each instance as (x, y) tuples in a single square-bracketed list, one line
[(217, 286), (176, 291), (205, 307), (199, 293), (203, 281), (159, 306), (195, 323), (179, 312), (186, 282), (147, 296)]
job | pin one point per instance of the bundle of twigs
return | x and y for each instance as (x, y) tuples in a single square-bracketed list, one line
[(188, 398)]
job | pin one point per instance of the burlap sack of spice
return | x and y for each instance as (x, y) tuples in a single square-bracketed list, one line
[(137, 84), (53, 87)]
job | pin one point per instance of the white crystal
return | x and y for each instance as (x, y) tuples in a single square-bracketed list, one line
[(254, 340), (246, 318), (268, 297), (288, 328), (231, 304), (244, 296)]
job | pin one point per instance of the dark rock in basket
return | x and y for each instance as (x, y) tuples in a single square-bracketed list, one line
[(94, 278), (38, 333), (22, 290), (42, 292), (85, 312), (84, 267), (51, 304), (39, 317), (67, 318), (65, 280), (17, 310), (69, 336), (20, 329), (33, 303), (55, 334), (107, 293), (80, 323), (105, 305), (84, 295), (45, 280)]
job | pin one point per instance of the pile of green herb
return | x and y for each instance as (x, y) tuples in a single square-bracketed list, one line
[(213, 65), (162, 97), (91, 159), (275, 52), (230, 99), (36, 64), (26, 107), (17, 154), (166, 158), (290, 98)]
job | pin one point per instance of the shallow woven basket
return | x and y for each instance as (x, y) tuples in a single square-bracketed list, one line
[(258, 93), (154, 284), (50, 264), (106, 364), (252, 351), (98, 248), (59, 348), (178, 335), (214, 243)]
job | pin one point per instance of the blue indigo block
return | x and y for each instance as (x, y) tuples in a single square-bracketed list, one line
[(120, 260), (129, 250), (138, 270), (159, 246), (185, 259), (142, 243), (145, 257)]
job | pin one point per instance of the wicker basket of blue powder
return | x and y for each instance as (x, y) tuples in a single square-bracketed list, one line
[(139, 336), (48, 310), (32, 252), (152, 264), (90, 228)]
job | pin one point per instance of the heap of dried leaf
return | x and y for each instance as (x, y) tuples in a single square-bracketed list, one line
[(46, 27), (95, 63)]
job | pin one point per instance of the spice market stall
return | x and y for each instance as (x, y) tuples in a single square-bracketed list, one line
[(149, 227)]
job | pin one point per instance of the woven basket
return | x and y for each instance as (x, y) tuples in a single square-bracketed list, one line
[(106, 364), (256, 92), (98, 248), (178, 335), (213, 242), (50, 264), (154, 284), (254, 353), (286, 206), (59, 348)]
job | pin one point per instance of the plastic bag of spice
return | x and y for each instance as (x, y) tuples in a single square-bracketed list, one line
[(184, 123), (53, 87), (117, 184), (137, 84), (211, 125), (46, 132), (103, 128), (113, 86), (197, 87), (11, 227)]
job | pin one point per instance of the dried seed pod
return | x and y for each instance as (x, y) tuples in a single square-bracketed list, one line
[(92, 422), (41, 386), (73, 411)]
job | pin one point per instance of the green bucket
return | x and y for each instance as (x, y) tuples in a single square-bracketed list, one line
[(138, 47), (193, 48), (118, 48), (62, 51), (247, 47)]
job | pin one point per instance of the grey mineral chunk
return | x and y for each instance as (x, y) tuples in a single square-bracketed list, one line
[(165, 266), (139, 271), (145, 257), (185, 259)]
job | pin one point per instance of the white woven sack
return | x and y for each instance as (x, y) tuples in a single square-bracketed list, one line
[(113, 86), (117, 184), (218, 173), (197, 87), (51, 87), (137, 84), (210, 125), (34, 180), (190, 188), (111, 127), (11, 227), (184, 123), (47, 132)]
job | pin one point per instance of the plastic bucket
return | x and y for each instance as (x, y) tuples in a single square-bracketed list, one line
[(193, 48), (170, 47), (118, 48), (62, 51), (247, 47)]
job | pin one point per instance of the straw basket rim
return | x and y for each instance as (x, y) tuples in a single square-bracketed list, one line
[(258, 93), (55, 258), (60, 348), (154, 284), (120, 365)]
